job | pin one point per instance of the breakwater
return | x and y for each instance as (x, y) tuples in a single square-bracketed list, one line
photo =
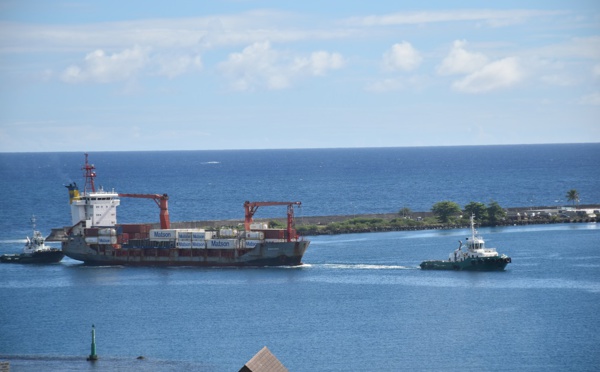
[(364, 223)]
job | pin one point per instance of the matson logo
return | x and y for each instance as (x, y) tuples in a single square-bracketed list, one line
[(220, 244), (162, 234)]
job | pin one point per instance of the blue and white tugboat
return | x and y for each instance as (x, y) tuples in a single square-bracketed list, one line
[(35, 251), (474, 256)]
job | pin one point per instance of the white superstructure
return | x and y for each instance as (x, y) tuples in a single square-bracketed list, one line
[(92, 207), (475, 247), (98, 208)]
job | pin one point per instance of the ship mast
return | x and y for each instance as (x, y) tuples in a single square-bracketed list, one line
[(89, 176)]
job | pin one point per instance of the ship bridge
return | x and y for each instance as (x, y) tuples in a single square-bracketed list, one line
[(97, 208)]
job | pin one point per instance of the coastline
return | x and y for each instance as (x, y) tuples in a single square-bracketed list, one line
[(383, 222), (515, 217)]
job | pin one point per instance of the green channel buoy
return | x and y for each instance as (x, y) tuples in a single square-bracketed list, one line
[(93, 357)]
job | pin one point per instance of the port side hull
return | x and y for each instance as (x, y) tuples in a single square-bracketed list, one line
[(264, 254), (470, 264)]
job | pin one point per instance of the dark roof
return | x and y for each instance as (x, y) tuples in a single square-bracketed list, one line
[(264, 361)]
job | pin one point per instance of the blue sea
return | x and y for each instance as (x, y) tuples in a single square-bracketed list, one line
[(359, 303)]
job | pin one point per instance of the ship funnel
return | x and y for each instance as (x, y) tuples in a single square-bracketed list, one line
[(73, 192)]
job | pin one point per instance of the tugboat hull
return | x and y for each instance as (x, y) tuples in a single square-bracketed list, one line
[(470, 264), (40, 257)]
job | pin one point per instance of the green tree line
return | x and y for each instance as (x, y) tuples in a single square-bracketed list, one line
[(449, 211)]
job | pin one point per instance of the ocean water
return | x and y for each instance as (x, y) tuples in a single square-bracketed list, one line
[(359, 302), (208, 185)]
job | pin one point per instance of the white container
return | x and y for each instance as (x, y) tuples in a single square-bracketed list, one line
[(202, 235), (107, 231), (275, 240), (222, 243), (258, 226), (91, 239), (184, 235), (227, 233), (185, 244), (107, 240), (162, 235), (198, 244), (252, 243), (254, 235)]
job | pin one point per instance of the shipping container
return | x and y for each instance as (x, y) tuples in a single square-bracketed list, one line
[(107, 239), (198, 244), (251, 243), (254, 235), (227, 233), (106, 231), (136, 228), (184, 235), (123, 238), (184, 244), (258, 226), (274, 234), (222, 243), (90, 232), (91, 239), (162, 235), (202, 235)]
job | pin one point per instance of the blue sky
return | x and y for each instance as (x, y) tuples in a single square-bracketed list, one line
[(193, 75)]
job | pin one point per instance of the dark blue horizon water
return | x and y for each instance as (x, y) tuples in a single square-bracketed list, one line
[(359, 303), (213, 185)]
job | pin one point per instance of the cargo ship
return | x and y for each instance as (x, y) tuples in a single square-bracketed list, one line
[(95, 237), (35, 251), (476, 256)]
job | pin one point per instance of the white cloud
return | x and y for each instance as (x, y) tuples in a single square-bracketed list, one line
[(385, 85), (494, 18), (102, 68), (402, 56), (496, 75), (481, 76), (412, 82), (596, 71), (319, 62), (209, 32), (460, 61), (259, 65), (172, 66), (590, 99), (558, 80)]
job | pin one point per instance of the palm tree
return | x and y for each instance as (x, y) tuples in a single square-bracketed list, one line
[(573, 196), (405, 212)]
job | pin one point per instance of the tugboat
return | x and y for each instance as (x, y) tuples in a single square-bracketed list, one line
[(476, 257), (35, 251)]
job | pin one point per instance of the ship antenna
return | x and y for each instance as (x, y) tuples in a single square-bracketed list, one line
[(89, 176)]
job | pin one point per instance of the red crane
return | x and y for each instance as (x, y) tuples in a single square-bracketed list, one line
[(161, 201), (251, 208)]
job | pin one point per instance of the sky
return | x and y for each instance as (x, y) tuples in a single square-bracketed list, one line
[(243, 74)]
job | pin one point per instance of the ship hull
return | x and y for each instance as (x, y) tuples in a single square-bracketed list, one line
[(43, 257), (469, 264), (264, 254)]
